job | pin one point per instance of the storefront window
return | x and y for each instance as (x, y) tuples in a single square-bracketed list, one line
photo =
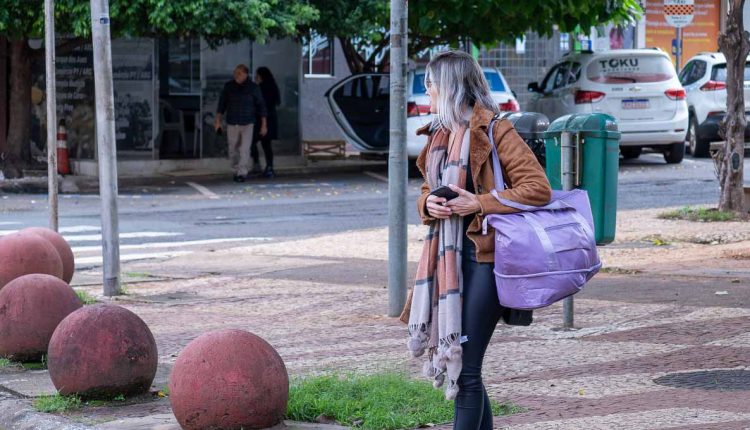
[(184, 66), (317, 55)]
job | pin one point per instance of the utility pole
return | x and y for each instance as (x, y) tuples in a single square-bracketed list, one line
[(49, 50), (568, 155), (397, 161), (105, 142)]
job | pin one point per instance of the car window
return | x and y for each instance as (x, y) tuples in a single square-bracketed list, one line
[(549, 80), (622, 69), (693, 72), (719, 72), (574, 73), (496, 83), (685, 72), (417, 86), (561, 78)]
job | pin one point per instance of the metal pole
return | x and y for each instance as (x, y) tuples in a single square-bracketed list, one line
[(105, 140), (679, 49), (49, 48), (568, 182), (397, 161)]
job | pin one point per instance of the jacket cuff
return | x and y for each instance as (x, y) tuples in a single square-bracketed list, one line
[(487, 202)]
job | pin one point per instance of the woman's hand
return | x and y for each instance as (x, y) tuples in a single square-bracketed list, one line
[(465, 204), (436, 207)]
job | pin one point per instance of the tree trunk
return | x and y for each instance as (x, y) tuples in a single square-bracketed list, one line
[(16, 152), (735, 46)]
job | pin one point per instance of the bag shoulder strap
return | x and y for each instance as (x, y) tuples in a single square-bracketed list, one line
[(497, 169)]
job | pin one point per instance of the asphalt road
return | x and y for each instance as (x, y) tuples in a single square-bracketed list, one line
[(158, 220)]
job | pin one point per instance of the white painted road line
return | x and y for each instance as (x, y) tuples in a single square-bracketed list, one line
[(9, 223), (203, 190), (153, 245), (79, 229), (97, 260), (136, 235), (377, 176)]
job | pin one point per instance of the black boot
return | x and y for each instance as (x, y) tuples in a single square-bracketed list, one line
[(269, 173)]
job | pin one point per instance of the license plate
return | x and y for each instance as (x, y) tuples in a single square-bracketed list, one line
[(636, 104)]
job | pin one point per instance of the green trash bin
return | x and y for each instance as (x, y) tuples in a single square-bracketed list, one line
[(596, 163)]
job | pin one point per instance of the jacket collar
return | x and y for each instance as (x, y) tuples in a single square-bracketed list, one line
[(480, 141)]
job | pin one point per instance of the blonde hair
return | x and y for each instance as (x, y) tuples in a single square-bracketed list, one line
[(461, 84)]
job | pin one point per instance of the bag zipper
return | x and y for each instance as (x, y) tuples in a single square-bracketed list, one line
[(561, 226)]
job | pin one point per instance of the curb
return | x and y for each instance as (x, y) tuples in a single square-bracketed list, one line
[(73, 184), (17, 414)]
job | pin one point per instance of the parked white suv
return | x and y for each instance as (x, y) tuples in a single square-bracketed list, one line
[(360, 105), (639, 87), (704, 78)]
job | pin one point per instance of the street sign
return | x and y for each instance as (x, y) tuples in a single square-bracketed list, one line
[(679, 13)]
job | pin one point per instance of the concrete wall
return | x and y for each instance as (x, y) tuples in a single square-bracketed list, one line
[(317, 120)]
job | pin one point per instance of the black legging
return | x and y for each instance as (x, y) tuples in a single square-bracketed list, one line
[(267, 151), (481, 313)]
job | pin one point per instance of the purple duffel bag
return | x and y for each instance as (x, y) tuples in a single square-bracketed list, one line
[(542, 254)]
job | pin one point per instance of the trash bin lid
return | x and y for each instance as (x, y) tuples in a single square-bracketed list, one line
[(588, 125), (529, 125)]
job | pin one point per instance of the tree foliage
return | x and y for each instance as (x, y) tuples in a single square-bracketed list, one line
[(214, 20), (436, 22)]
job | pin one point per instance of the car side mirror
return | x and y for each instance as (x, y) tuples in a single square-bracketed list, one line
[(533, 87)]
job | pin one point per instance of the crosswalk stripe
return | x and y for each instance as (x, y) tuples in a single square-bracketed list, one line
[(9, 223), (97, 260), (80, 249)]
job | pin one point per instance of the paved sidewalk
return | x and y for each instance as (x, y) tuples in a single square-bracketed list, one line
[(657, 315)]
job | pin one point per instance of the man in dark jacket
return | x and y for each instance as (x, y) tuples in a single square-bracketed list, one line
[(241, 101)]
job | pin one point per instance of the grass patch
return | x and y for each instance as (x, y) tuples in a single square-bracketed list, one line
[(41, 365), (620, 271), (386, 401), (57, 403), (137, 275), (4, 362), (699, 214), (85, 297)]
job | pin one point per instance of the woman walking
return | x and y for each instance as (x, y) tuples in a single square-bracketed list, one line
[(453, 309), (272, 97)]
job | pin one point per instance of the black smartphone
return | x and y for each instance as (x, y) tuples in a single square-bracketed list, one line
[(445, 192), (219, 131)]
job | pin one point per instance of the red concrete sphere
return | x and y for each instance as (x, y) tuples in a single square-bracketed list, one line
[(31, 307), (102, 351), (229, 379), (27, 253), (62, 247)]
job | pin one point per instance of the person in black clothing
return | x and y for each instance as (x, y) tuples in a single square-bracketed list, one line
[(242, 101), (272, 97)]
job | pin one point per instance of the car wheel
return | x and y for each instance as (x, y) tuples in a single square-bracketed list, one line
[(674, 153), (697, 147), (630, 152)]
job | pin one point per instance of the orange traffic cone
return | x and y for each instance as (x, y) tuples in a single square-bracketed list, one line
[(63, 162)]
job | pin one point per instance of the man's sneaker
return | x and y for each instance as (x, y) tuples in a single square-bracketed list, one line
[(239, 178), (269, 173)]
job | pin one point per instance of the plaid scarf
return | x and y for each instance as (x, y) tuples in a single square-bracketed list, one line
[(435, 318)]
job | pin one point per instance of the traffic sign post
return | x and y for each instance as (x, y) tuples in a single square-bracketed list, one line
[(678, 14)]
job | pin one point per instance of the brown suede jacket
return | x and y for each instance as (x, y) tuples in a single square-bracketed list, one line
[(524, 176)]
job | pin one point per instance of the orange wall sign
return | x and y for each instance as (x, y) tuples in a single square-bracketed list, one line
[(700, 35)]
